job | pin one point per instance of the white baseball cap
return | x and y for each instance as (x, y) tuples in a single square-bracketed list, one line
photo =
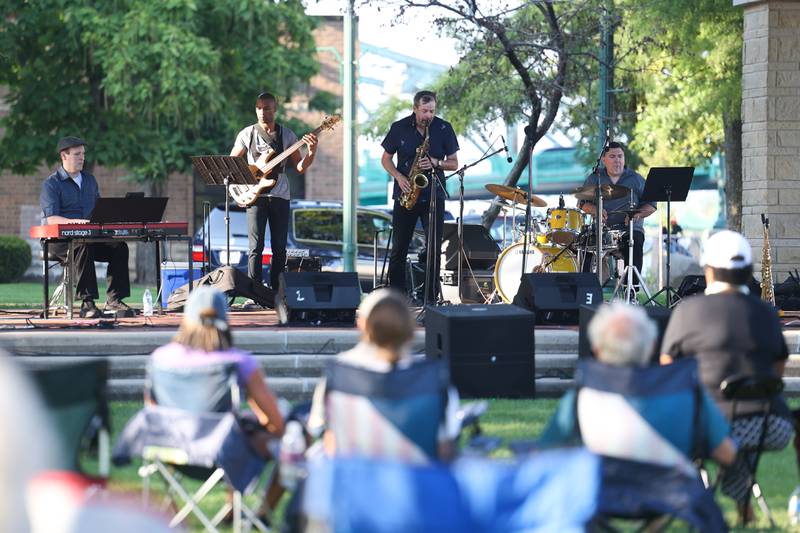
[(727, 249)]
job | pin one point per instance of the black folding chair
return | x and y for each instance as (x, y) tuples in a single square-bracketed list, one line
[(76, 397), (754, 389)]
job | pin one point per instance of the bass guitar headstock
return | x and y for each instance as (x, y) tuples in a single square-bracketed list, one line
[(330, 122)]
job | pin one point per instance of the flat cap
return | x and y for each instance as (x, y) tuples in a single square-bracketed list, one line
[(69, 142)]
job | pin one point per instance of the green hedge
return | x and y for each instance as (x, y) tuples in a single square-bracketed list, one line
[(15, 258)]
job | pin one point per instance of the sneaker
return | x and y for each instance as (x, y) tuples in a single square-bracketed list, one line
[(120, 308), (89, 310), (251, 305)]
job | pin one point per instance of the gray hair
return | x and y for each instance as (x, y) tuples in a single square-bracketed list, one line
[(622, 335)]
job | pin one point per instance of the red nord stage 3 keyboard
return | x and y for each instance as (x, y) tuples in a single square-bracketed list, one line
[(87, 231)]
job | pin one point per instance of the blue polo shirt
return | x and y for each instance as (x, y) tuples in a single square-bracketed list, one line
[(61, 196), (630, 179), (403, 140)]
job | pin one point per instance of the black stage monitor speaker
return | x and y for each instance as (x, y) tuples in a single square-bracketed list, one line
[(658, 314), (556, 296), (318, 298), (490, 348), (480, 249), (693, 284)]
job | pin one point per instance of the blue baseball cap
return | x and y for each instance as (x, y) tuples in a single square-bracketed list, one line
[(207, 305)]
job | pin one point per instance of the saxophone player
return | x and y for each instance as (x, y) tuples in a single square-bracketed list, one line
[(405, 136)]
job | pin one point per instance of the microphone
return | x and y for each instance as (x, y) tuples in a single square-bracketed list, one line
[(505, 147), (561, 201)]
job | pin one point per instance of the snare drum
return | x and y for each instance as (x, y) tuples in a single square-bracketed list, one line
[(564, 224), (508, 270), (611, 240)]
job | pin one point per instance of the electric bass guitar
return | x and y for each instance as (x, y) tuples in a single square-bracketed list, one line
[(265, 167)]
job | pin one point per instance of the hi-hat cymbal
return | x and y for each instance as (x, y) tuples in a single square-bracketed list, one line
[(515, 194), (608, 190)]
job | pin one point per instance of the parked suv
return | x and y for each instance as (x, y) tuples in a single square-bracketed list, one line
[(315, 230)]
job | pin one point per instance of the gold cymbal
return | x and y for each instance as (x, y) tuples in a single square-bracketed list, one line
[(515, 194), (608, 190)]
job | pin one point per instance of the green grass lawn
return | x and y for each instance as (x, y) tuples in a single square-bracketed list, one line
[(517, 420), (28, 294)]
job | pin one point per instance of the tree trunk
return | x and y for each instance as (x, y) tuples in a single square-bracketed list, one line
[(145, 251), (523, 155), (733, 167)]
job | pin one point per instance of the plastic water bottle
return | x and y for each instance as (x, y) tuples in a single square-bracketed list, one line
[(292, 455), (794, 506), (147, 303)]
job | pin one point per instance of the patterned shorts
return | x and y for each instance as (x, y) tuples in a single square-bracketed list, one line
[(736, 479)]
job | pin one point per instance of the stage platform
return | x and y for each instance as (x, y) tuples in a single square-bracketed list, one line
[(293, 358)]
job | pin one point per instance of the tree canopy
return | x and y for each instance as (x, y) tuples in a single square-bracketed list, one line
[(677, 99), (146, 82), (676, 71)]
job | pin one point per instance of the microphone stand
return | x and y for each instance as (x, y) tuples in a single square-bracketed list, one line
[(526, 236), (431, 245), (598, 219), (460, 173)]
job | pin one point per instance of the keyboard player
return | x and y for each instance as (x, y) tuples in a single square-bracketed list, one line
[(68, 197)]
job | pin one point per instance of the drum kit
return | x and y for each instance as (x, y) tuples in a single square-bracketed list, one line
[(559, 242)]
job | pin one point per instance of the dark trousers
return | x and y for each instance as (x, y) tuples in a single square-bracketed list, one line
[(276, 212), (403, 223), (638, 252), (117, 276)]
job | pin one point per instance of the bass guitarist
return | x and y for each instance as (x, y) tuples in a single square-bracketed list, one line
[(260, 142)]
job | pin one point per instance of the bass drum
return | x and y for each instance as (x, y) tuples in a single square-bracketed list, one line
[(508, 269)]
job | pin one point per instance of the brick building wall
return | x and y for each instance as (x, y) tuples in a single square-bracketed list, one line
[(323, 181), (771, 129)]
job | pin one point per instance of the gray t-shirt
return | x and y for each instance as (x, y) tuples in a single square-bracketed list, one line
[(255, 145)]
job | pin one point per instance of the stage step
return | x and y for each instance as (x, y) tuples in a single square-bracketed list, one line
[(293, 359)]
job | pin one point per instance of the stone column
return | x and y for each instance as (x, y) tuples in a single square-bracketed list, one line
[(771, 129)]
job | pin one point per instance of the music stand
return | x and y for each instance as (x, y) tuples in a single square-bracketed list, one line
[(667, 184), (224, 170)]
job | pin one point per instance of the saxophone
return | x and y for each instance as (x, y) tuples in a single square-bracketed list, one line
[(416, 175), (767, 287)]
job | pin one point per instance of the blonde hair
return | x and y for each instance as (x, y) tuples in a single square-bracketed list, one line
[(387, 321), (204, 335)]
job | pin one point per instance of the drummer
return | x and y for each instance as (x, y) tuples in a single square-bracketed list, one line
[(616, 173)]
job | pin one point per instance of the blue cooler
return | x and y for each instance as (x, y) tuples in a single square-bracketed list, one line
[(174, 275)]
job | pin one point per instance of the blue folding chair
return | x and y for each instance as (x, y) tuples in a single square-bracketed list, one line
[(387, 414), (648, 479), (193, 432), (548, 491)]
